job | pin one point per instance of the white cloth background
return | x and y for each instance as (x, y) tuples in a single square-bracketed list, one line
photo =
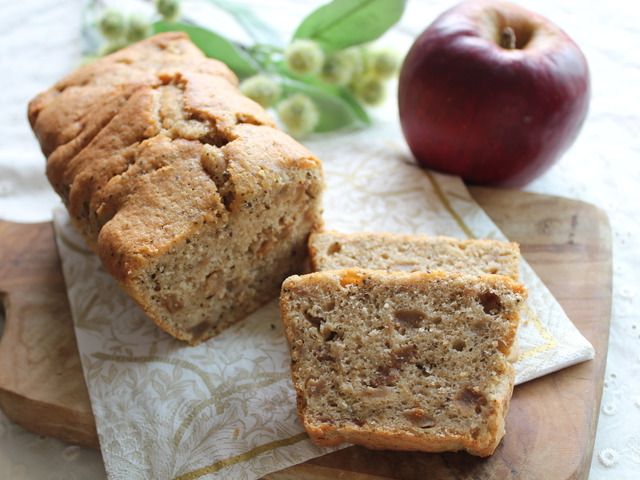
[(40, 42)]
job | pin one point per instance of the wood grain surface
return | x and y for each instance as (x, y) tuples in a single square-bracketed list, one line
[(41, 382), (551, 423)]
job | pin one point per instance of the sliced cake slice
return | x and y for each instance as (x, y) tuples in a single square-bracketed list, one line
[(403, 361), (329, 250)]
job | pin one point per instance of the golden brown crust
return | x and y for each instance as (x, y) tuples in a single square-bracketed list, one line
[(64, 111)]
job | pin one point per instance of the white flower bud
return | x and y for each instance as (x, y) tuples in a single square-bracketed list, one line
[(112, 24), (261, 89), (304, 56), (299, 114)]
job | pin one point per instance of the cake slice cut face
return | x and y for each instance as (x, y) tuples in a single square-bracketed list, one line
[(403, 361), (331, 250)]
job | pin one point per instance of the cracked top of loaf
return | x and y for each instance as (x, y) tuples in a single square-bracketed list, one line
[(117, 133)]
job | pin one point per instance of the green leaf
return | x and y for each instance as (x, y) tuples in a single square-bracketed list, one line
[(337, 109), (345, 97), (345, 23), (213, 46)]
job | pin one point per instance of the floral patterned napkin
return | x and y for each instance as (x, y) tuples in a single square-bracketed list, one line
[(226, 408)]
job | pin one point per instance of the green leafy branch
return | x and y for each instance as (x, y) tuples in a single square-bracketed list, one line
[(321, 80)]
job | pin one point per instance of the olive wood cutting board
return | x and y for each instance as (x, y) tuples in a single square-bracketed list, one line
[(551, 422)]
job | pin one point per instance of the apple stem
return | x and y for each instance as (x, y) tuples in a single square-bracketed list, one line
[(508, 39)]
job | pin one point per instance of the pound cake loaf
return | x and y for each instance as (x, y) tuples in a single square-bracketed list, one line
[(329, 249), (402, 361), (193, 199)]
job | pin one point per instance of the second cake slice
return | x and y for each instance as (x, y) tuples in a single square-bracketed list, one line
[(329, 250), (408, 361)]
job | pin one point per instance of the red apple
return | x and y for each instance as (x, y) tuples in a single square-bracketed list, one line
[(493, 93)]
